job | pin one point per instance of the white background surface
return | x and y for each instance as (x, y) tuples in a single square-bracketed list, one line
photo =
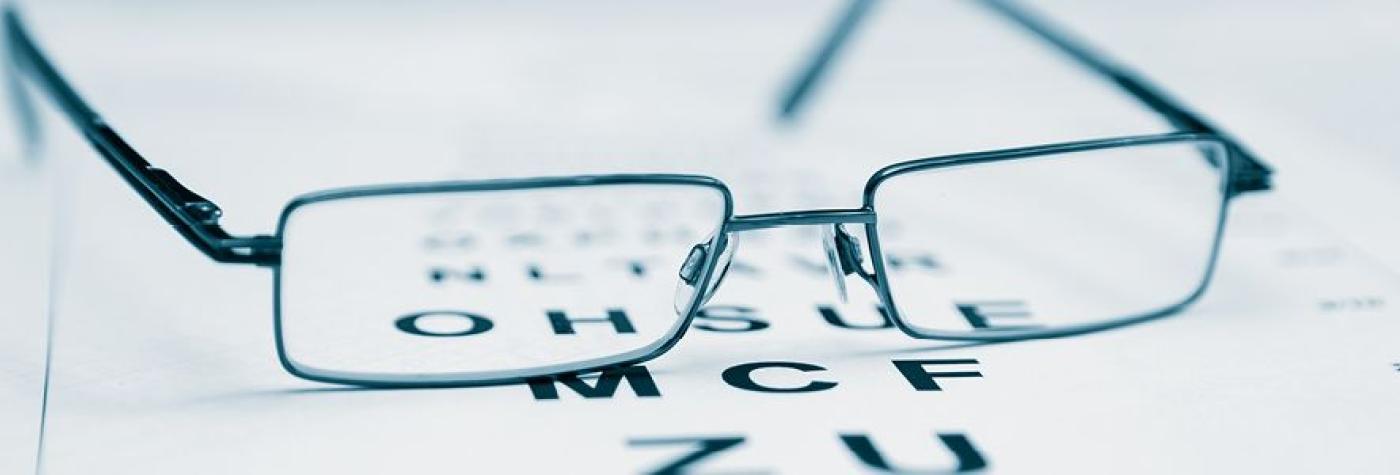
[(163, 361)]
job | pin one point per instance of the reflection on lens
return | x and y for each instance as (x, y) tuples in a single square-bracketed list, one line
[(1052, 243), (485, 285)]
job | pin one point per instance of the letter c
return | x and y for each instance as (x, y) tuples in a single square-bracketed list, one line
[(741, 377)]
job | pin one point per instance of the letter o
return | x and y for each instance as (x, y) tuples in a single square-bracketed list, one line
[(409, 323)]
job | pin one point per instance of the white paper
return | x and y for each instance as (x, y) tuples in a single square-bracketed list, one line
[(164, 362)]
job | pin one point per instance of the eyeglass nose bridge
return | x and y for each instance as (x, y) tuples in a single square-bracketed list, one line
[(843, 252), (801, 217)]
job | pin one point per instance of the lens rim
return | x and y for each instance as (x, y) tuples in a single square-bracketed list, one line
[(1229, 155), (466, 186)]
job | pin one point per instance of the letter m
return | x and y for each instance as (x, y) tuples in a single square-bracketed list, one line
[(605, 385)]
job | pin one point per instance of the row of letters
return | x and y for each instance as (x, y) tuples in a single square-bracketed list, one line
[(541, 273), (920, 374), (715, 318), (697, 451)]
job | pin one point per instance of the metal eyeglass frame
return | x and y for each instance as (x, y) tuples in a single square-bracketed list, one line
[(197, 218)]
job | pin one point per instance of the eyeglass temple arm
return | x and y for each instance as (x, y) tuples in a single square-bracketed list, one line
[(820, 61), (193, 216), (1249, 173)]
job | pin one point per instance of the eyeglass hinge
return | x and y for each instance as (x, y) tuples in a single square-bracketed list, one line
[(262, 250), (1249, 174)]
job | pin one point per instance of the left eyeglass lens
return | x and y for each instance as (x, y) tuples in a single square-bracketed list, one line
[(486, 285), (1051, 244)]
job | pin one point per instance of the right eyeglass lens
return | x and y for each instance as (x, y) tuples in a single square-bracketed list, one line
[(465, 286), (1051, 243)]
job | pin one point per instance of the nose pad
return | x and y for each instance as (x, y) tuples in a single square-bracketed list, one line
[(693, 268), (843, 257)]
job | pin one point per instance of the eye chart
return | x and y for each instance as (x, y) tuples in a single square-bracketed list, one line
[(164, 363)]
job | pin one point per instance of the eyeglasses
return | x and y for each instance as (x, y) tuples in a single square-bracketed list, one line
[(1095, 234)]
